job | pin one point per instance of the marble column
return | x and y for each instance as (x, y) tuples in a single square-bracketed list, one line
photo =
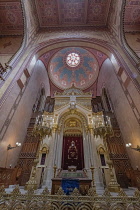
[(86, 148), (50, 162), (59, 148), (94, 160)]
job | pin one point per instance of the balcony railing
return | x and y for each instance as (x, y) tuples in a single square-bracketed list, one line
[(44, 200)]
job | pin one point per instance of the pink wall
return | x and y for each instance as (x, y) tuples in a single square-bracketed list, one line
[(126, 115), (17, 128)]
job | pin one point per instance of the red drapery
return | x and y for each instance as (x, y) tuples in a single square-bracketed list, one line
[(72, 154)]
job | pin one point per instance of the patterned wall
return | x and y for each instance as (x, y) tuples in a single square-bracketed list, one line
[(132, 15), (11, 18), (72, 12)]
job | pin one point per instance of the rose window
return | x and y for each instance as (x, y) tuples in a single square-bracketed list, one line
[(73, 59)]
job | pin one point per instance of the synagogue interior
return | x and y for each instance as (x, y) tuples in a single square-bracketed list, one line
[(70, 104)]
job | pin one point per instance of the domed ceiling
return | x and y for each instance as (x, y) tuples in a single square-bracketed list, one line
[(73, 65)]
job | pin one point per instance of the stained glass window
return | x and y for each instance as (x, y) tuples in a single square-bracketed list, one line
[(73, 59)]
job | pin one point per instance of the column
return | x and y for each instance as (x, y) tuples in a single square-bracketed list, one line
[(94, 160), (59, 148), (50, 163), (86, 151)]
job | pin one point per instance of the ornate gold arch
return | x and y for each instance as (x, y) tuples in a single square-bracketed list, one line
[(72, 126), (80, 117)]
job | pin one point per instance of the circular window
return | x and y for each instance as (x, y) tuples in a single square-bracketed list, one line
[(73, 59)]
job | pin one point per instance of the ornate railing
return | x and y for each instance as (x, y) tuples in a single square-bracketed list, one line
[(32, 200)]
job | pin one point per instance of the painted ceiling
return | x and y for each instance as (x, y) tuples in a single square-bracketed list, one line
[(73, 66), (65, 13), (72, 12), (132, 16), (11, 18), (46, 58)]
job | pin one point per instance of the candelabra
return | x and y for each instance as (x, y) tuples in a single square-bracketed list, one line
[(129, 145), (101, 126), (43, 126)]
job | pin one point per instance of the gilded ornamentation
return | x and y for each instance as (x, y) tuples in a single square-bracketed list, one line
[(32, 184), (92, 192), (46, 201), (113, 186), (123, 195), (30, 192), (107, 196), (60, 191), (45, 191), (76, 192), (16, 192), (2, 189), (137, 195), (41, 131)]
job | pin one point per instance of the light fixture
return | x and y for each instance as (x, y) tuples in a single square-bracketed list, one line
[(129, 145), (102, 126), (10, 147), (43, 126)]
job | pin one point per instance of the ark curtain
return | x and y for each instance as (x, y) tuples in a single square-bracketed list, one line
[(68, 185), (72, 154)]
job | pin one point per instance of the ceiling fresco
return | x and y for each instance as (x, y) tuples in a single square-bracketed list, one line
[(11, 18), (73, 65), (132, 16), (72, 12), (65, 13), (46, 58)]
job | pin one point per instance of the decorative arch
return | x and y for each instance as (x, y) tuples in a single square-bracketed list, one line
[(117, 206), (67, 114), (18, 205), (116, 58), (44, 148), (71, 125), (101, 149), (112, 53)]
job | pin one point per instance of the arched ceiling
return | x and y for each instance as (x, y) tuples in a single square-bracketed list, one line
[(73, 65)]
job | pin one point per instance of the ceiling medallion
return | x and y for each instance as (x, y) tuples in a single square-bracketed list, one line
[(73, 59)]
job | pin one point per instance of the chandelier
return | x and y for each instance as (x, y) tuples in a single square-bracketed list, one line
[(102, 127), (43, 126)]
